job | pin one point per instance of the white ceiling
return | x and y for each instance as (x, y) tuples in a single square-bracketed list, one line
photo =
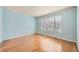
[(36, 10)]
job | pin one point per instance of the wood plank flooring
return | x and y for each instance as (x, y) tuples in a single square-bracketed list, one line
[(0, 47), (38, 43)]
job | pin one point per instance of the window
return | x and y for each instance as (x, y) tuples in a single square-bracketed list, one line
[(47, 24), (53, 23), (58, 23)]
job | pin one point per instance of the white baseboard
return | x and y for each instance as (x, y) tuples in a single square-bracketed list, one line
[(17, 36), (39, 33), (59, 37)]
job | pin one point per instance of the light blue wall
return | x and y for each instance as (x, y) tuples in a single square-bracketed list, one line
[(78, 26), (17, 24), (0, 23), (68, 24)]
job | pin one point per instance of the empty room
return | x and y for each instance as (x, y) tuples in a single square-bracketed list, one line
[(39, 29)]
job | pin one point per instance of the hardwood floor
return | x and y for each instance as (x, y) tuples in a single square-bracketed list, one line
[(38, 43), (0, 47)]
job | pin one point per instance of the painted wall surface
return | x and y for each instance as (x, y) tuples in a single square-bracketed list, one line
[(0, 23), (78, 26), (68, 24), (17, 24)]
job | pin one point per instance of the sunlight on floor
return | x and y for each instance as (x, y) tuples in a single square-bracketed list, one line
[(48, 45)]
